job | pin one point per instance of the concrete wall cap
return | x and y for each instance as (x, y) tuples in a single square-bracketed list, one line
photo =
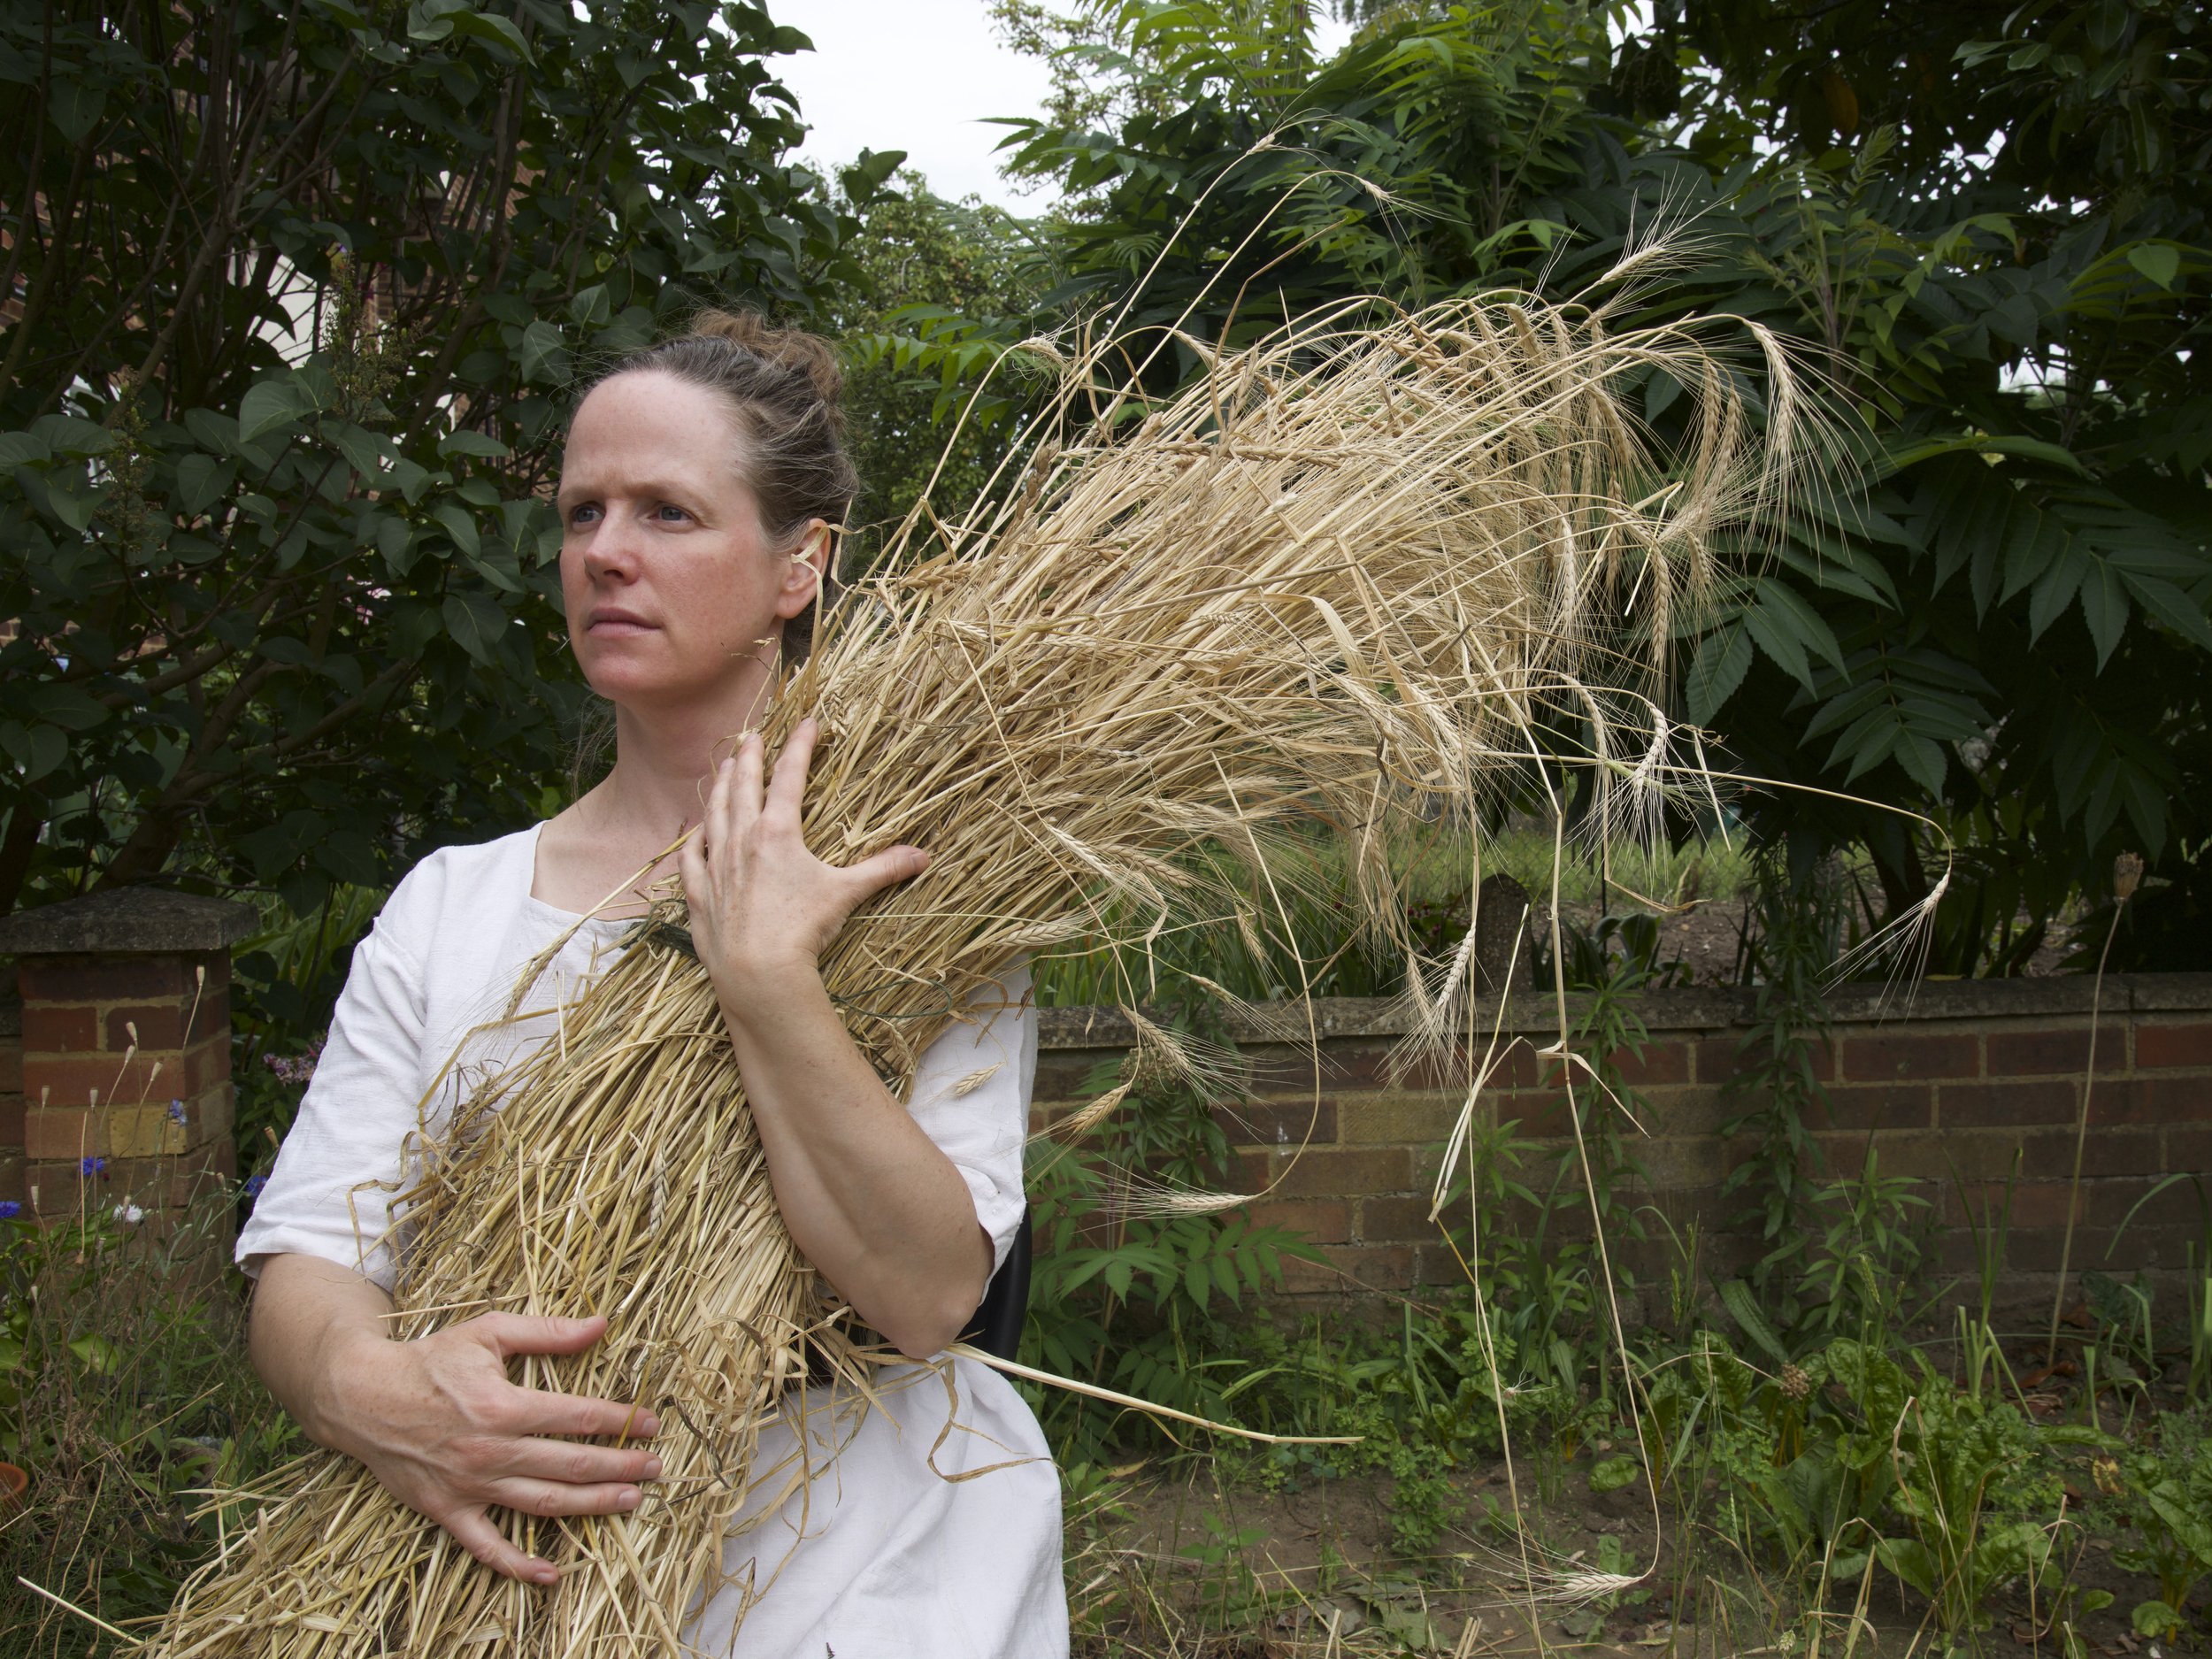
[(127, 921), (1675, 1008)]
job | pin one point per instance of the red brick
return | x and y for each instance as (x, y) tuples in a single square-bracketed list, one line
[(1259, 1123), (71, 1082), (1396, 1220), (1353, 1267), (2189, 1151), (2057, 1052), (102, 979), (2109, 1203), (1890, 1057), (2153, 1100), (1334, 1172), (2122, 1150), (1060, 1076), (162, 1025), (1882, 1106), (51, 1029), (1999, 1105), (1537, 1114), (11, 1111), (11, 1068), (1318, 1221), (1365, 1065), (1717, 1063), (2188, 1044), (63, 1134), (1663, 1061)]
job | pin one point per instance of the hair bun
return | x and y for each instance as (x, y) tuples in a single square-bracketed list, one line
[(810, 355)]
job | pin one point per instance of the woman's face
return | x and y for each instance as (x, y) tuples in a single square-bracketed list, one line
[(668, 577)]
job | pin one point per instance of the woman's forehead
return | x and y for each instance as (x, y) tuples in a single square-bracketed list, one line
[(641, 428)]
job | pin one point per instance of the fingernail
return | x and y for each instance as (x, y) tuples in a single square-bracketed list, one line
[(628, 1498), (648, 1425), (652, 1468)]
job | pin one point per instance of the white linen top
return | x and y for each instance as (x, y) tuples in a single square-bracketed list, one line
[(878, 1553)]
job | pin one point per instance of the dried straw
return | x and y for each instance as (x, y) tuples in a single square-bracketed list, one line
[(1349, 582)]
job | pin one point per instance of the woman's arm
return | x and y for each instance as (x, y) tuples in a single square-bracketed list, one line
[(869, 1198), (435, 1418)]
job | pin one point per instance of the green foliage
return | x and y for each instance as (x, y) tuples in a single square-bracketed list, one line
[(124, 1393), (925, 273), (300, 295), (1129, 1301), (2163, 1486)]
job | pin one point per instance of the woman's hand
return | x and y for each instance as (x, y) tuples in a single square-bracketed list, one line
[(437, 1423), (763, 907)]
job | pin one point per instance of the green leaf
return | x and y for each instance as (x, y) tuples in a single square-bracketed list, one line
[(476, 624), (544, 354), (2159, 262), (464, 442), (2105, 607), (459, 526), (2154, 1618), (22, 449), (1723, 658), (1610, 1474), (1735, 1295), (97, 1354), (269, 404)]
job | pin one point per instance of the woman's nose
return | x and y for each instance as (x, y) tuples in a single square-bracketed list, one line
[(611, 553)]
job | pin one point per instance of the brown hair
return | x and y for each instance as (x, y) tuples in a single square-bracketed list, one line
[(781, 385)]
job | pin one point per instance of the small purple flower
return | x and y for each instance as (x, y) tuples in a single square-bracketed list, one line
[(293, 1068), (94, 1166), (254, 1184), (176, 1111), (10, 1209)]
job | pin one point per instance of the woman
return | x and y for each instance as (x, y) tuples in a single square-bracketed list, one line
[(700, 487)]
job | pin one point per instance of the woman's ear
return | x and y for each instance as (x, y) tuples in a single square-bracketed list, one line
[(802, 576)]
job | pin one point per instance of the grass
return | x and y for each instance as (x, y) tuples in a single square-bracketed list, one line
[(1308, 916)]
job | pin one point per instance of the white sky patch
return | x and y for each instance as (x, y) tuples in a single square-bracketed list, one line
[(917, 75), (924, 76)]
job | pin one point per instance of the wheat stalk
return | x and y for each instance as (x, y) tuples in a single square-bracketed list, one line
[(1353, 580)]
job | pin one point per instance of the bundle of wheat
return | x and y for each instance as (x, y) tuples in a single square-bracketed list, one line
[(1346, 580)]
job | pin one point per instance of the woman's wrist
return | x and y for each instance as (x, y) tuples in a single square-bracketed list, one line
[(345, 1356), (761, 996)]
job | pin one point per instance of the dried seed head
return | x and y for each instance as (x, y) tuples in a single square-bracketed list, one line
[(1795, 1383), (2127, 875)]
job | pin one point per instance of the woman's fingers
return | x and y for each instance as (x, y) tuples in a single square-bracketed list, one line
[(888, 868), (541, 1412), (508, 1334), (473, 1530), (787, 791), (572, 1464), (556, 1497), (741, 804)]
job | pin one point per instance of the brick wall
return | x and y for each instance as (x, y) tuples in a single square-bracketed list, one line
[(1951, 1086), (115, 1083)]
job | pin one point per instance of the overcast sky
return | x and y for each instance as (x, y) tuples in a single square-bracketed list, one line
[(917, 75)]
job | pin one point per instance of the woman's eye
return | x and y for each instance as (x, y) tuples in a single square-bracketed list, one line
[(669, 513), (586, 512)]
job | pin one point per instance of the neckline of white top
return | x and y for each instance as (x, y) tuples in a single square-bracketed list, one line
[(554, 912)]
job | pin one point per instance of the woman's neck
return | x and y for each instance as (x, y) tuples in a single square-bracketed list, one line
[(664, 762)]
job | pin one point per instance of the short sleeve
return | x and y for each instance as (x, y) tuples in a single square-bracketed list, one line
[(970, 1097), (331, 1191)]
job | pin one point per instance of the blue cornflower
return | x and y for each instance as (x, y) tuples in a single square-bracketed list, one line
[(10, 1209), (94, 1166), (176, 1111), (254, 1184)]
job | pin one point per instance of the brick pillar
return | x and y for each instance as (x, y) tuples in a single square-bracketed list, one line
[(125, 1048)]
